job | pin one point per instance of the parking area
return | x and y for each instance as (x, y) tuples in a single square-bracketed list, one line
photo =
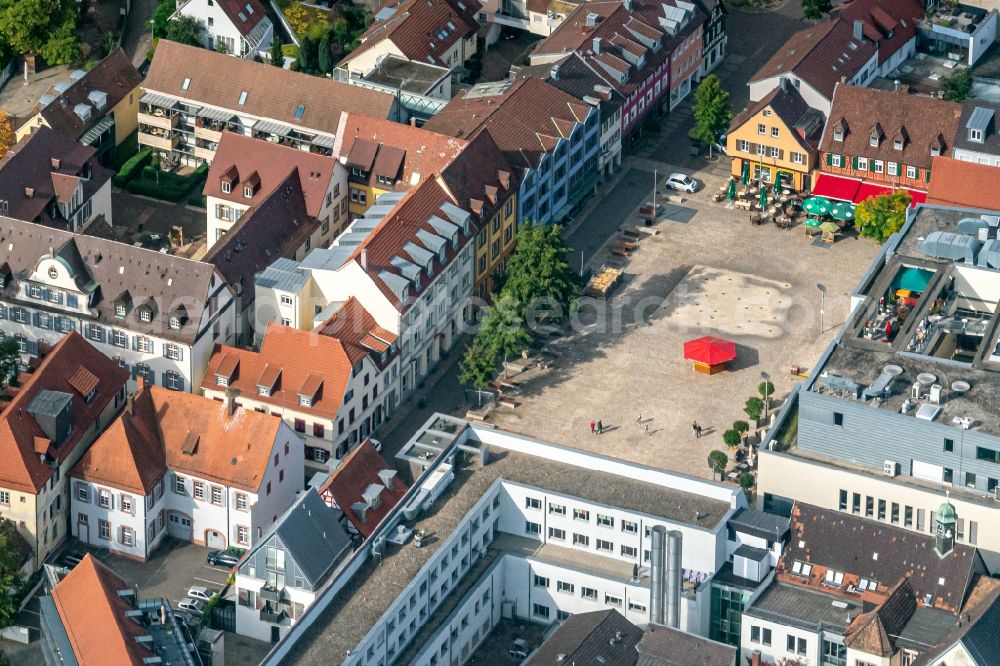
[(709, 272), (173, 569)]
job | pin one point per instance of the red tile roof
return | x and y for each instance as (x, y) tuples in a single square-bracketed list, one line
[(273, 93), (821, 55), (388, 240), (238, 157), (94, 616), (424, 30), (404, 154), (289, 357), (30, 179), (114, 76), (525, 117), (964, 184), (889, 23), (356, 328), (921, 121), (355, 474), (624, 36), (480, 173), (244, 14), (20, 435), (232, 450), (278, 226)]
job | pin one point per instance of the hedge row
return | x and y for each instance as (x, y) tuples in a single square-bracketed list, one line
[(131, 167), (166, 185)]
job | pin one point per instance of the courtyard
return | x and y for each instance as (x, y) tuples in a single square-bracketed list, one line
[(706, 272)]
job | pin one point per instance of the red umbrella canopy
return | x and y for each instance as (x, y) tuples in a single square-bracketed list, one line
[(709, 350)]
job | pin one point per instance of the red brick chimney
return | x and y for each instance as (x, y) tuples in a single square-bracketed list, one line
[(755, 658)]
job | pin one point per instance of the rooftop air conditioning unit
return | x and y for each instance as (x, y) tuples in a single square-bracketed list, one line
[(889, 468)]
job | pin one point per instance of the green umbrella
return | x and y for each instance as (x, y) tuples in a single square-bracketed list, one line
[(830, 227), (762, 202), (745, 177), (731, 190), (777, 182), (812, 222), (817, 206), (842, 211)]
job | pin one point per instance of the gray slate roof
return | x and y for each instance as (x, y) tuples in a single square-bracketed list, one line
[(978, 113), (982, 641), (664, 646), (313, 536), (803, 608), (591, 638), (759, 524), (107, 269)]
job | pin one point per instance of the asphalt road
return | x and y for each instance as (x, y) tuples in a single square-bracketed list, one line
[(136, 40), (606, 216)]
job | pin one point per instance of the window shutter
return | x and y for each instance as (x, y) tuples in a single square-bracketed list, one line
[(34, 319), (3, 312), (33, 347), (829, 159), (135, 372), (781, 153), (854, 162), (163, 379), (927, 175)]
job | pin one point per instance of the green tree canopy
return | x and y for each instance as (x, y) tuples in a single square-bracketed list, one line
[(164, 10), (766, 389), (307, 54), (323, 59), (477, 365), (10, 354), (711, 111), (186, 30), (753, 407), (881, 216), (538, 276), (746, 481), (10, 576), (814, 9), (46, 27), (717, 461), (958, 86), (277, 55), (504, 330)]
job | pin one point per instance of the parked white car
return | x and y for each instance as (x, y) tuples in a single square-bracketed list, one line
[(200, 593), (192, 605), (681, 182)]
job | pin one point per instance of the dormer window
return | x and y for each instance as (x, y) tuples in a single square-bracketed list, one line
[(145, 315), (976, 135), (935, 151), (264, 391), (120, 310), (801, 568), (175, 322), (227, 187), (833, 577), (222, 380), (305, 401), (873, 141), (838, 135), (897, 144), (248, 192)]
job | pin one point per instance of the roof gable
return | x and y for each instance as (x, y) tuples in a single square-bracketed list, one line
[(357, 473)]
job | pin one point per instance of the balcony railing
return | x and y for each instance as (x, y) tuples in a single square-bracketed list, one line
[(157, 118), (162, 139)]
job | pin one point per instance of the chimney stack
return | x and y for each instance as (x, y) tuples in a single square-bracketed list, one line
[(597, 44), (859, 30), (231, 395), (555, 72), (755, 658), (657, 573), (674, 571)]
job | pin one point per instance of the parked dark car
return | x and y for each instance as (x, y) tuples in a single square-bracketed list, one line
[(223, 558)]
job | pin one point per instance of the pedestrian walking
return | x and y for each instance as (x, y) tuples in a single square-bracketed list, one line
[(600, 427), (638, 419), (698, 430), (593, 426), (647, 427), (694, 428)]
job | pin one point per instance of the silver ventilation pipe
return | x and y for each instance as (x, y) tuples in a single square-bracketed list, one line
[(657, 555), (674, 571)]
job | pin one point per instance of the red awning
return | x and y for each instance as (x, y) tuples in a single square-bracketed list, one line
[(918, 197), (868, 190), (709, 350), (835, 187)]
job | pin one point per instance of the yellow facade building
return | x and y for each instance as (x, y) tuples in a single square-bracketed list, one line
[(99, 108), (776, 137)]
